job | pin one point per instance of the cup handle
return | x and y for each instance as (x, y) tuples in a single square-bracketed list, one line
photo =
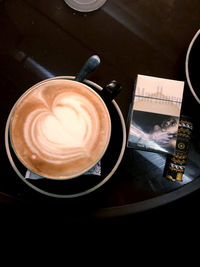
[(111, 90)]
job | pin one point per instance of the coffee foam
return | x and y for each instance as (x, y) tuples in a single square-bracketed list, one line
[(60, 128)]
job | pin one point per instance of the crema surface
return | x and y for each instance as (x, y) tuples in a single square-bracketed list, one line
[(60, 128)]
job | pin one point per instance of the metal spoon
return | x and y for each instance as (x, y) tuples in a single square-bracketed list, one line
[(90, 65)]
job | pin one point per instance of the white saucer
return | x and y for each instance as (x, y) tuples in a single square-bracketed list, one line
[(85, 5)]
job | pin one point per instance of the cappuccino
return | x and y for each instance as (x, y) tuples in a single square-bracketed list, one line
[(60, 128)]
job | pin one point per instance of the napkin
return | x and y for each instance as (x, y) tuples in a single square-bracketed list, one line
[(96, 170)]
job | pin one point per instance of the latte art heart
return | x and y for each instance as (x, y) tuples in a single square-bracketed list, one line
[(60, 128), (65, 131)]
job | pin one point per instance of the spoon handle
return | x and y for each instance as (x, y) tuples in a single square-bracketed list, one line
[(90, 65)]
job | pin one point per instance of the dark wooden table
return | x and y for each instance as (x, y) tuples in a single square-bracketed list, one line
[(42, 39)]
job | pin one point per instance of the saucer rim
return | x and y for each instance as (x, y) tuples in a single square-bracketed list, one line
[(82, 193), (85, 7), (197, 35)]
